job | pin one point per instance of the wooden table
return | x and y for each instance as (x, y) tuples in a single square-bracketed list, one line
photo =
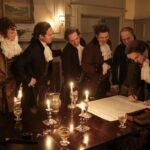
[(102, 134)]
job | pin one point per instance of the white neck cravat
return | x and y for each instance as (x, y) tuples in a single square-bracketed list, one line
[(106, 52), (47, 52), (10, 48), (145, 71), (80, 50)]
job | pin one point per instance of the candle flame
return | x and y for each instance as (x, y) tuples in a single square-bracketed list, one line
[(20, 94), (71, 86), (15, 99), (81, 148), (71, 127), (86, 139), (48, 103), (82, 105), (86, 94), (48, 142)]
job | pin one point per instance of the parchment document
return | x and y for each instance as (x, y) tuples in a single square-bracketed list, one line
[(110, 108)]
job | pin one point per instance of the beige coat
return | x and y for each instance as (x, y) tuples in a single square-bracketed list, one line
[(7, 84)]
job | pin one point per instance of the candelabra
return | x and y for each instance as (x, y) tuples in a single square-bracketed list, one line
[(87, 115), (50, 121), (74, 98), (82, 127)]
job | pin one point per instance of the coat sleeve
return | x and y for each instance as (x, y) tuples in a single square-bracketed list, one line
[(50, 70), (88, 65), (2, 69), (133, 80), (20, 65), (66, 63), (115, 67)]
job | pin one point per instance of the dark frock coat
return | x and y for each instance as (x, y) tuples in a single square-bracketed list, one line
[(126, 72), (71, 68), (30, 64), (92, 61)]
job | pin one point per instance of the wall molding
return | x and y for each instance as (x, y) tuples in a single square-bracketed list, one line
[(79, 10)]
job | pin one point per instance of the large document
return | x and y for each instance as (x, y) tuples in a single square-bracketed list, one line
[(110, 108)]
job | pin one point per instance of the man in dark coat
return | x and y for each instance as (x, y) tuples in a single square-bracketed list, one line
[(139, 51), (96, 63), (71, 59), (33, 68), (126, 73)]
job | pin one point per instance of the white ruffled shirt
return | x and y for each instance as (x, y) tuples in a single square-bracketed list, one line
[(145, 71), (106, 51), (107, 54), (47, 52), (10, 48), (80, 50)]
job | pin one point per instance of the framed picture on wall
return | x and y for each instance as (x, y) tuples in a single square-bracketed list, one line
[(21, 11)]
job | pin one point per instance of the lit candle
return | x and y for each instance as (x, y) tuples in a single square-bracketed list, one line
[(86, 95), (81, 148), (48, 104), (71, 86), (86, 139), (82, 107), (48, 142), (71, 127), (15, 100), (19, 94)]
